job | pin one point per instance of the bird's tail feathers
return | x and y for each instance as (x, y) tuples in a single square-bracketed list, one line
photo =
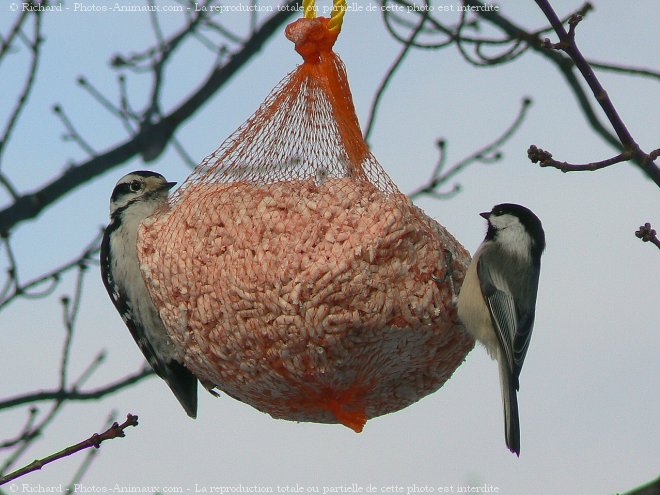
[(510, 402), (184, 385)]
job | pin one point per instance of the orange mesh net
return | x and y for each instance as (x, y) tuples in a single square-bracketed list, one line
[(290, 271)]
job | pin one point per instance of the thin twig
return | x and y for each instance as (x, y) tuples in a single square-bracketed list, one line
[(568, 45), (625, 69), (126, 114), (544, 159), (91, 368), (22, 99), (223, 31), (100, 98), (515, 35), (115, 431), (34, 203), (183, 153), (6, 43), (9, 187), (32, 431), (253, 16), (390, 74), (89, 458), (158, 62), (562, 62), (38, 429), (71, 307), (72, 394), (72, 134), (134, 61), (517, 48), (486, 154), (26, 431), (391, 17), (456, 34), (12, 270), (52, 277)]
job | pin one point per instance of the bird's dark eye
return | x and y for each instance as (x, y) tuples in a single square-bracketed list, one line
[(136, 185)]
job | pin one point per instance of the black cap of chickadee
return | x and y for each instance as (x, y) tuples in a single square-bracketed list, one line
[(497, 301)]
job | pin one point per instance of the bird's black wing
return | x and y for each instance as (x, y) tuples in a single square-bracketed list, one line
[(511, 304), (180, 380)]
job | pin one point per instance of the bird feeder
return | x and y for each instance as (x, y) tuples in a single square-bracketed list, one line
[(291, 272)]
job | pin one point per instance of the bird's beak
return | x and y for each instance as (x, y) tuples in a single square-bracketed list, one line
[(485, 214), (170, 185)]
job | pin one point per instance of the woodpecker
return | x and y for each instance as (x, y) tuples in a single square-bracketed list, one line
[(135, 197)]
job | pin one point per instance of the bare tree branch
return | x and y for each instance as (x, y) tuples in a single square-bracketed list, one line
[(115, 431), (565, 65), (59, 398), (52, 278), (5, 44), (72, 134), (515, 41), (71, 307), (488, 153), (26, 432), (544, 158), (150, 136), (650, 488), (390, 74), (625, 69), (34, 45), (149, 131), (568, 45), (92, 454), (72, 393)]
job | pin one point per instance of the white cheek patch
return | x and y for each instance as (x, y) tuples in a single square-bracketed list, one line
[(501, 222), (512, 235)]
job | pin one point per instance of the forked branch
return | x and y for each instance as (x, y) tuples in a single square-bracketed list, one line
[(631, 150)]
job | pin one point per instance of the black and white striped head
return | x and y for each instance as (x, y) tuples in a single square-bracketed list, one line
[(517, 229), (143, 187)]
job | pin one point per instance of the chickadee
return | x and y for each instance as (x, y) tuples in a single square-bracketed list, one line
[(498, 298)]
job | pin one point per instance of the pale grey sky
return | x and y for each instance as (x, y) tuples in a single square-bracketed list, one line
[(589, 401)]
